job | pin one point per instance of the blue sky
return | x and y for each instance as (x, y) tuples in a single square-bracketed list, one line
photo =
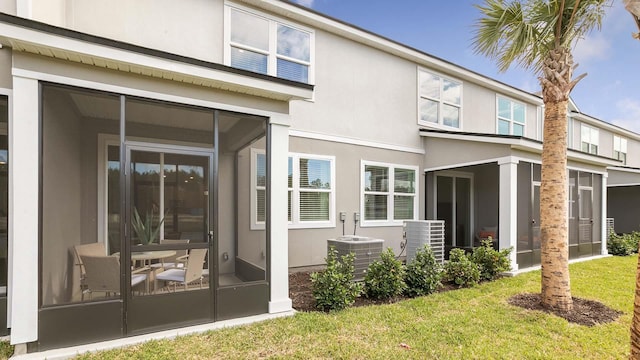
[(611, 57)]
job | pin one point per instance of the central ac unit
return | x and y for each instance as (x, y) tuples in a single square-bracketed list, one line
[(425, 232), (366, 251)]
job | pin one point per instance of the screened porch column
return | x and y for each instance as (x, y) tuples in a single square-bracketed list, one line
[(23, 207), (279, 300), (603, 235), (508, 213)]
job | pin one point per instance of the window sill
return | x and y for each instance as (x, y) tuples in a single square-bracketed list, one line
[(383, 223), (438, 126), (299, 226)]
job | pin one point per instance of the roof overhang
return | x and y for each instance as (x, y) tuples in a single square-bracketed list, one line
[(42, 39), (518, 143), (605, 125)]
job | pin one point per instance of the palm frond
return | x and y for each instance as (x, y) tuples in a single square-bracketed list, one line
[(524, 32)]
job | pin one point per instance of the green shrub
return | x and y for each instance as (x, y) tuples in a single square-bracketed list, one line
[(634, 239), (423, 274), (621, 245), (385, 277), (491, 262), (460, 270), (333, 288)]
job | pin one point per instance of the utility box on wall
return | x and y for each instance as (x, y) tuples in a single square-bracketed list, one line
[(366, 250), (421, 232)]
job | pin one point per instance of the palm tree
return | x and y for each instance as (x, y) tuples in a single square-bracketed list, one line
[(539, 36), (633, 6)]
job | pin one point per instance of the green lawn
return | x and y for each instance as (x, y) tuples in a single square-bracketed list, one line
[(468, 323)]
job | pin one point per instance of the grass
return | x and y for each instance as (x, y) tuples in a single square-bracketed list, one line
[(468, 323)]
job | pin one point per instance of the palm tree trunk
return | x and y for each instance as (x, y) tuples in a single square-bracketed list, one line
[(556, 84), (556, 290), (635, 322)]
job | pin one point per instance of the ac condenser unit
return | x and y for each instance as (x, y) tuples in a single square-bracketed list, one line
[(366, 250), (425, 232)]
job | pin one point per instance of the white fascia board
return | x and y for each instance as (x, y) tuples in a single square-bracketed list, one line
[(319, 21), (624, 169), (605, 125), (525, 145), (25, 39)]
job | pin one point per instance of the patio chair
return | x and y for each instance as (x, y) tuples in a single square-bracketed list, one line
[(185, 276), (176, 261), (92, 249), (103, 275)]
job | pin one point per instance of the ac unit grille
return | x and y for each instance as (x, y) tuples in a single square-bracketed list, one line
[(366, 250), (425, 232)]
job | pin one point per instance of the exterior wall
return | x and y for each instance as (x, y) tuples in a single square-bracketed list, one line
[(619, 178), (623, 206), (157, 24), (5, 69), (440, 153), (480, 111), (350, 102), (8, 7), (633, 153), (308, 246)]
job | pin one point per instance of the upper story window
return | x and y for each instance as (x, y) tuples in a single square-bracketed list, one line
[(439, 100), (589, 139), (388, 194), (620, 148), (511, 117), (266, 45), (311, 195)]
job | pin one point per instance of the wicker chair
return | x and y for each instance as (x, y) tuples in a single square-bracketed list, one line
[(185, 276), (176, 261), (102, 274)]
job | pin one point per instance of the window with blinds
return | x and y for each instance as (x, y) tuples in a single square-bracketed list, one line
[(265, 45), (389, 193), (620, 148), (589, 139), (311, 190)]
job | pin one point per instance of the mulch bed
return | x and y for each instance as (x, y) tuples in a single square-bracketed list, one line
[(585, 312)]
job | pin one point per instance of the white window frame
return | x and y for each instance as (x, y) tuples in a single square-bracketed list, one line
[(272, 53), (295, 222), (620, 145), (510, 120), (390, 193), (440, 102), (593, 133)]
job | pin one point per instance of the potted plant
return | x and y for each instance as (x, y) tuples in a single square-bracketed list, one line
[(144, 229)]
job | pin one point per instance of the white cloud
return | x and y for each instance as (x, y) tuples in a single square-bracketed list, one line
[(630, 110), (593, 47), (307, 3)]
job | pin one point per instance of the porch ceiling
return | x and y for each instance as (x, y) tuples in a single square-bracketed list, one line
[(38, 38)]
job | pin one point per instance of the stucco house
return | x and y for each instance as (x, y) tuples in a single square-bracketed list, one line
[(241, 135)]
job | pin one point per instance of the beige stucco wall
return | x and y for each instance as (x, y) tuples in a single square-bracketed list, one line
[(449, 152), (5, 68), (190, 28), (360, 93), (308, 246), (8, 7)]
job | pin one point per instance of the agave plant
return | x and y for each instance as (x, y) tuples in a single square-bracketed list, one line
[(144, 229)]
